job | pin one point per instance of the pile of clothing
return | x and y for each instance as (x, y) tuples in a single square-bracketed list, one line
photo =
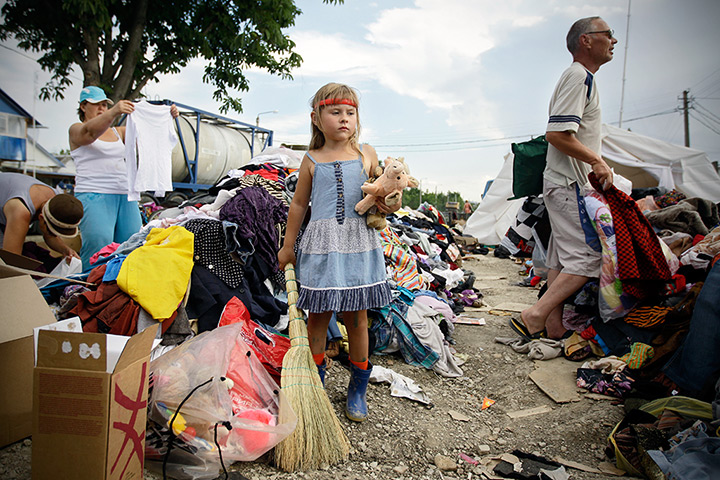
[(184, 266)]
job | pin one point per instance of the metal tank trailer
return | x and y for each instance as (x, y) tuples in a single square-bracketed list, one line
[(209, 146)]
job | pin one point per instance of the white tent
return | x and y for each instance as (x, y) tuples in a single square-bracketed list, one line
[(645, 161)]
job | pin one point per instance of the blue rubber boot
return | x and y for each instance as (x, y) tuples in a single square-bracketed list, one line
[(356, 408), (321, 371)]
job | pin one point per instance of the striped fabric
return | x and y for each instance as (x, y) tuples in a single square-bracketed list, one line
[(411, 348), (274, 188), (646, 317), (640, 354), (564, 119), (405, 271)]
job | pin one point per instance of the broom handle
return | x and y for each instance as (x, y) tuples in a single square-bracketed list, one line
[(297, 328)]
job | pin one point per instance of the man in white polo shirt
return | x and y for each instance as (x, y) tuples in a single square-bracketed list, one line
[(573, 134)]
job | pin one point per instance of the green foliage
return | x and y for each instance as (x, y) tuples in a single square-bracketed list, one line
[(121, 45), (411, 198)]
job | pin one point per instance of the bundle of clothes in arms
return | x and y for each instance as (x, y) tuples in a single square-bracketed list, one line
[(210, 264), (648, 329)]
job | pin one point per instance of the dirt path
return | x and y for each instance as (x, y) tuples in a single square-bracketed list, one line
[(402, 438)]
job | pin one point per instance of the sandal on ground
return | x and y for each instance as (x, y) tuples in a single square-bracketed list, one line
[(519, 327)]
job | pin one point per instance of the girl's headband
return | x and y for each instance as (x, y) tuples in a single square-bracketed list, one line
[(336, 101)]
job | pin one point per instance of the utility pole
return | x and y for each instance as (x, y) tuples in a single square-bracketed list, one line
[(627, 42), (686, 116)]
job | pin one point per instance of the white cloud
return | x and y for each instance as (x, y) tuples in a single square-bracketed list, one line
[(431, 52)]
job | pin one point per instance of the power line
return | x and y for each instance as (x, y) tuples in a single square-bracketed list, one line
[(674, 110), (455, 148), (460, 142), (708, 118), (33, 59), (18, 52), (697, 85), (705, 124), (708, 112)]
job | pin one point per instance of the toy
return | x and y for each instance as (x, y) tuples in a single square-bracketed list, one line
[(394, 179), (373, 218)]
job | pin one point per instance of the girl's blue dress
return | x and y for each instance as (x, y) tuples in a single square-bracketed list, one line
[(340, 264)]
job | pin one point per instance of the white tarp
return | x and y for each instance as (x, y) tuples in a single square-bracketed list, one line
[(645, 161), (690, 170), (495, 214)]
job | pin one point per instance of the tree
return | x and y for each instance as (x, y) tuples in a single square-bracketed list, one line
[(121, 45)]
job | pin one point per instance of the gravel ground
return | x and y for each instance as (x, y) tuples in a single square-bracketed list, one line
[(406, 440)]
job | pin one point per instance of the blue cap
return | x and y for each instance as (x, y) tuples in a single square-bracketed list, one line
[(94, 95)]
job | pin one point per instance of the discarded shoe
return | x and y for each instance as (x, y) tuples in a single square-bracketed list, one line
[(519, 327)]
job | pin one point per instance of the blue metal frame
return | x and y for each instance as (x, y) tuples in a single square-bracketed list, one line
[(191, 164)]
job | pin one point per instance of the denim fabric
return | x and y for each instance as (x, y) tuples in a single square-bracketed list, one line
[(619, 336), (333, 332), (131, 243), (413, 351), (108, 218), (239, 248), (693, 459), (696, 363)]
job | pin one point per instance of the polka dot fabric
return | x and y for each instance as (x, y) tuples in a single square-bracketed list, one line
[(211, 252)]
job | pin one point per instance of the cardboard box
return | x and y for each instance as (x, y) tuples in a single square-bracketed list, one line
[(90, 405), (22, 309)]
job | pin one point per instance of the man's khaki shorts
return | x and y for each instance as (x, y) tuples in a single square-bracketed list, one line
[(569, 250)]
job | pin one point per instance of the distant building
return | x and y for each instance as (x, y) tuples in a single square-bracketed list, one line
[(19, 152)]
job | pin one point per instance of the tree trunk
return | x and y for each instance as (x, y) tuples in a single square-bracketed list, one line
[(91, 69), (123, 83), (108, 70)]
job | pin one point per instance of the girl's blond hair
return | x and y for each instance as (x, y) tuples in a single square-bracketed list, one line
[(331, 91)]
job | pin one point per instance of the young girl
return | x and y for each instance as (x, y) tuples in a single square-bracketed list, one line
[(340, 265)]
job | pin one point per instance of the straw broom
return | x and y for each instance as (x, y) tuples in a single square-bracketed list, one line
[(318, 437)]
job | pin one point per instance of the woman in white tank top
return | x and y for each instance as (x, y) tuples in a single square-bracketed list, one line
[(101, 179)]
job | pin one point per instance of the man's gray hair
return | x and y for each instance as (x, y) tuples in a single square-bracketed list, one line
[(578, 28)]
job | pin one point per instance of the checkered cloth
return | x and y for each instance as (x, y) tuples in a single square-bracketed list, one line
[(642, 267)]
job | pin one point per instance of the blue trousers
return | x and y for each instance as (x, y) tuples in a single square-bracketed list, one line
[(696, 363), (108, 218)]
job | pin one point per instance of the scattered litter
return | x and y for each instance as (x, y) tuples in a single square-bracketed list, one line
[(486, 403), (461, 417), (509, 457), (610, 469), (576, 465), (463, 357), (528, 412), (527, 465), (400, 385), (597, 396), (512, 307), (500, 313), (465, 320), (468, 459), (556, 378)]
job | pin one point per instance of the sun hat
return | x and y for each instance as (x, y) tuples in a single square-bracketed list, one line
[(94, 95), (62, 215)]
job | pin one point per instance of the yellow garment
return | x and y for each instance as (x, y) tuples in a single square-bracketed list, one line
[(156, 275)]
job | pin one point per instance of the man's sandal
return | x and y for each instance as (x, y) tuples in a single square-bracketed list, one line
[(519, 327)]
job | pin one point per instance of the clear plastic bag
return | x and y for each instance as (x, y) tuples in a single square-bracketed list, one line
[(539, 257), (228, 404)]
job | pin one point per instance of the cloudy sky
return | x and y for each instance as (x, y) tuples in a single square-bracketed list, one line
[(449, 84)]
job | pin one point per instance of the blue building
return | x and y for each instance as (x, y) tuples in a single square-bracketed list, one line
[(14, 123)]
